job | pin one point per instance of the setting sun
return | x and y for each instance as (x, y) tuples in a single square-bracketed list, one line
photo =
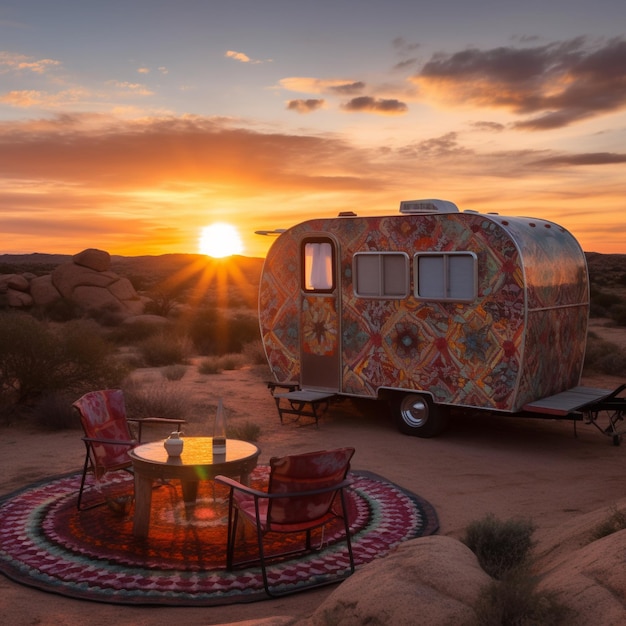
[(220, 240)]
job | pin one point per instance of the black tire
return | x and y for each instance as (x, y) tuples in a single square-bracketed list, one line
[(417, 416)]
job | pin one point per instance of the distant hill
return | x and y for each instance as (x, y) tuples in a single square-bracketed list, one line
[(237, 276)]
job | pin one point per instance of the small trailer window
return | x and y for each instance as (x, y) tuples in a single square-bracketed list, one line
[(318, 263), (381, 275), (446, 276)]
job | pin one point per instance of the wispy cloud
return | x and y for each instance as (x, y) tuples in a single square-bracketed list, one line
[(131, 88), (31, 98), (15, 63), (591, 158), (242, 57), (336, 86), (382, 106), (553, 85), (305, 106)]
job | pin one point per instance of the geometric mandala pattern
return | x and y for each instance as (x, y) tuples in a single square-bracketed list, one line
[(45, 542), (521, 339)]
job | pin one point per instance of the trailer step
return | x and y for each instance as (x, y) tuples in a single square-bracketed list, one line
[(568, 402), (302, 403)]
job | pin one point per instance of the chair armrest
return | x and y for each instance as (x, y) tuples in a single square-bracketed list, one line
[(311, 492), (157, 420), (234, 484), (117, 442)]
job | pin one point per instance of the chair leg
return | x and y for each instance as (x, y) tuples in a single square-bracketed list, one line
[(82, 481), (346, 524), (233, 520)]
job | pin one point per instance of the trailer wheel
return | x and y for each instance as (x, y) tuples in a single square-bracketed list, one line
[(417, 416)]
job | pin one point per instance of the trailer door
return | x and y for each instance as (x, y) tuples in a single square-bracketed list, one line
[(320, 338)]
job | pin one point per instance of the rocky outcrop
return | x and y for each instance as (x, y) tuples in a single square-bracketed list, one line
[(432, 580), (437, 580), (86, 282)]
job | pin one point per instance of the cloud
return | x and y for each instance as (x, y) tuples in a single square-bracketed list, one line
[(133, 88), (332, 86), (242, 57), (15, 63), (590, 158), (28, 98), (305, 106), (554, 85), (347, 89), (367, 104), (144, 186), (489, 127)]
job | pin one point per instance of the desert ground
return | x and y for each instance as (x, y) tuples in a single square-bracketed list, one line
[(539, 469)]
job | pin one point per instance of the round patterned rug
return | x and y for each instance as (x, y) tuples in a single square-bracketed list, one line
[(46, 543)]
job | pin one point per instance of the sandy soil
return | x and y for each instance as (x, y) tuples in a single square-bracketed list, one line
[(510, 467)]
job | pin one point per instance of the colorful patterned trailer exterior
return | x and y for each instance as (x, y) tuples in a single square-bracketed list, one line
[(467, 309)]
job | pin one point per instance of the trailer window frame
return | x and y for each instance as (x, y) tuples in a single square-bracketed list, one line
[(446, 276), (375, 275), (324, 265)]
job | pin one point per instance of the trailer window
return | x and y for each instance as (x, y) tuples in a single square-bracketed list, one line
[(446, 276), (381, 275), (318, 263)]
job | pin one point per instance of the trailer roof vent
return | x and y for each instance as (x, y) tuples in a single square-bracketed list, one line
[(428, 206)]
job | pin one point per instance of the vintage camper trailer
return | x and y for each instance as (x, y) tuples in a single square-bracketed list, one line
[(429, 309)]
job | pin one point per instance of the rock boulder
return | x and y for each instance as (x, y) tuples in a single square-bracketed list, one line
[(431, 580)]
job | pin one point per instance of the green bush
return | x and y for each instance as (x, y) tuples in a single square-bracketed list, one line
[(500, 546), (35, 360)]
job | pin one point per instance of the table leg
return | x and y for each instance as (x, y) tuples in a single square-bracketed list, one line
[(143, 502), (190, 491)]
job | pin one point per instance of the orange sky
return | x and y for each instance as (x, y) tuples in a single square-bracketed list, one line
[(197, 117)]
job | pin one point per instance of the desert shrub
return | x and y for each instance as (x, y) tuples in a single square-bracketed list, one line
[(63, 310), (615, 522), (107, 315), (248, 431), (158, 400), (210, 365), (164, 349), (53, 411), (162, 303), (174, 372), (216, 333), (515, 601), (217, 364), (35, 360), (604, 357), (602, 301), (231, 361), (133, 332), (254, 353), (500, 546), (618, 314)]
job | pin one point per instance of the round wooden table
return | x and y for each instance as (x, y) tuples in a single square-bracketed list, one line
[(197, 462)]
